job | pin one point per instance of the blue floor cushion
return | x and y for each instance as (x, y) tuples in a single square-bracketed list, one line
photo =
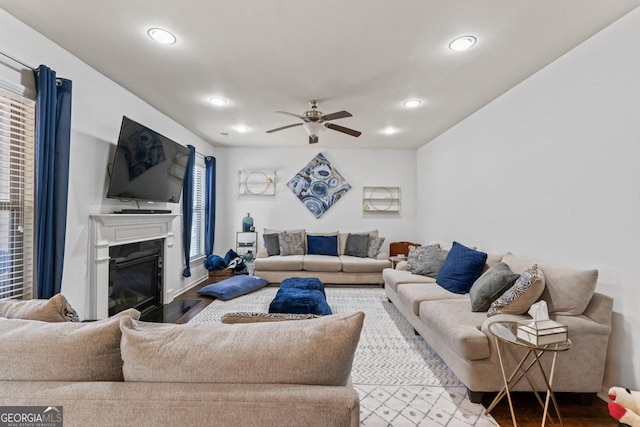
[(303, 283), (300, 301), (233, 287)]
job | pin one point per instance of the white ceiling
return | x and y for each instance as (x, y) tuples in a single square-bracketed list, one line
[(363, 56)]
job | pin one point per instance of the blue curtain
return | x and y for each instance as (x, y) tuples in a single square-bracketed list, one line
[(53, 141), (209, 204), (187, 210)]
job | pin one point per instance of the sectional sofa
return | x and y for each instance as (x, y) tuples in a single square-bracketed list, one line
[(338, 268), (119, 371), (462, 338)]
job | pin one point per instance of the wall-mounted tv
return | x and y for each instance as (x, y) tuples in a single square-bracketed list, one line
[(147, 165)]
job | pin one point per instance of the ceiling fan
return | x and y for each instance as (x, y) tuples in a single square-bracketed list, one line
[(314, 122)]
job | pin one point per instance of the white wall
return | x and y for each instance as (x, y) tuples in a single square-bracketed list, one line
[(97, 110), (359, 167), (550, 171)]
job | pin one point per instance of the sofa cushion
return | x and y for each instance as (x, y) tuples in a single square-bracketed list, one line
[(272, 244), (321, 263), (357, 245), (233, 287), (567, 291), (279, 263), (490, 286), (342, 238), (54, 309), (291, 244), (454, 322), (519, 297), (322, 245), (351, 264), (314, 351), (412, 294), (392, 278), (462, 267), (32, 350)]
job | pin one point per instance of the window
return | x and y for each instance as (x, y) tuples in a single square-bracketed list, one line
[(197, 226), (17, 128)]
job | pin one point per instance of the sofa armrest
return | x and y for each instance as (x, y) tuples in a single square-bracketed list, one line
[(600, 308)]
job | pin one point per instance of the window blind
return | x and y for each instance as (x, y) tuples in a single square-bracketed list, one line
[(17, 129), (197, 231)]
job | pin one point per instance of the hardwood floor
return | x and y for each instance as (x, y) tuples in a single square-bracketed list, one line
[(528, 411)]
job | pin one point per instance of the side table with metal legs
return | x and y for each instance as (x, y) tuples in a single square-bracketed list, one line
[(505, 333)]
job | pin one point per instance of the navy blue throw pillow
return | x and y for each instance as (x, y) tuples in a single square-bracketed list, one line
[(234, 260), (322, 245), (461, 269)]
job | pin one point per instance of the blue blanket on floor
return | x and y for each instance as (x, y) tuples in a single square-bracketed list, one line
[(296, 297)]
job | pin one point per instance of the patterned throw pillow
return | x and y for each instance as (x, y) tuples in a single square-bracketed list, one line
[(523, 293), (290, 244), (429, 263), (375, 244), (416, 253)]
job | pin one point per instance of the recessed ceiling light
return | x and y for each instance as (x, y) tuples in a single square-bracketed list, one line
[(217, 100), (412, 103), (161, 36), (462, 43), (389, 131), (242, 129)]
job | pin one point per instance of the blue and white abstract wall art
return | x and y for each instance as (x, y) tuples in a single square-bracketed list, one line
[(318, 185)]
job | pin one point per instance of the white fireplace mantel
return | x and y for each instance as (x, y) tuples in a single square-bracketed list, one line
[(120, 229)]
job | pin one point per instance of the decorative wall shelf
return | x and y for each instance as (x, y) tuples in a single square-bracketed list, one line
[(256, 183), (381, 199)]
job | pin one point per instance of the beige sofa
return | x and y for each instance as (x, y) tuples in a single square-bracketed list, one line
[(342, 269), (120, 371), (462, 338)]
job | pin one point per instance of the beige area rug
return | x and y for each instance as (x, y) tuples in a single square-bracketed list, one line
[(400, 379)]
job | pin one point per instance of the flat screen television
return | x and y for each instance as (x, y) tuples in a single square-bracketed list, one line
[(147, 165)]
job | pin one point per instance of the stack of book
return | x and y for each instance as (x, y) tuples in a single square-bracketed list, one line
[(542, 332)]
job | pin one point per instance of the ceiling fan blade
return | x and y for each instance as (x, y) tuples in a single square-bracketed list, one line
[(343, 129), (337, 115), (284, 127), (313, 139), (294, 115)]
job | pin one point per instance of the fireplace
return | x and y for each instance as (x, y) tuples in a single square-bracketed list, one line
[(135, 276), (110, 236)]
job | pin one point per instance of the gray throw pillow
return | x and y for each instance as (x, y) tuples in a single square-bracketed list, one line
[(290, 244), (272, 244), (429, 260), (357, 245), (493, 283)]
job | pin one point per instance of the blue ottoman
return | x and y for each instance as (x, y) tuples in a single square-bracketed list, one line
[(300, 296), (303, 283)]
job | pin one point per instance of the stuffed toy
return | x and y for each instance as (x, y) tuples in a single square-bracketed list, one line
[(625, 405)]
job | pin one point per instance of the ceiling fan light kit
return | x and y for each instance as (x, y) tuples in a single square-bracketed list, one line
[(315, 122)]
